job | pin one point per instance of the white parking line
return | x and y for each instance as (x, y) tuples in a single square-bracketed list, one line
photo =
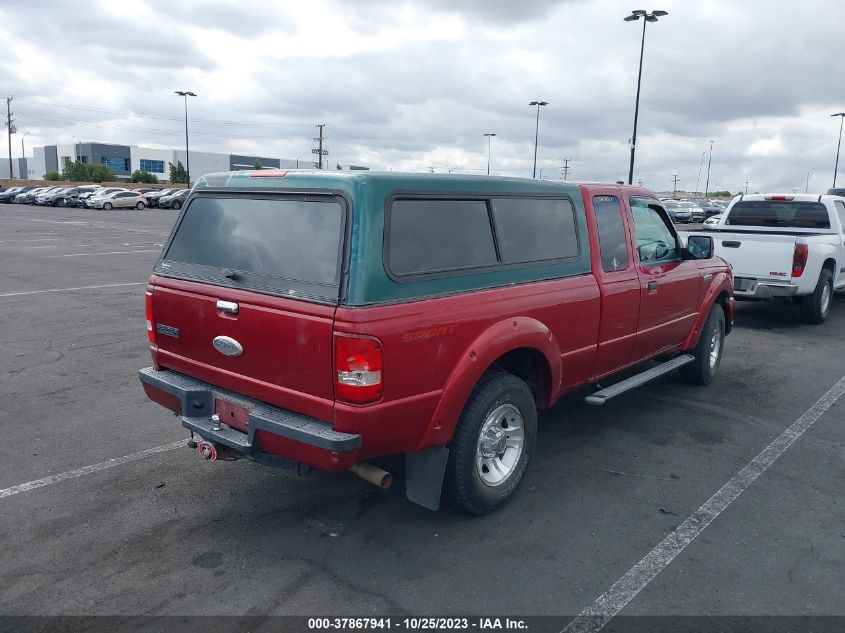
[(87, 470), (38, 292), (99, 226), (612, 601), (154, 250)]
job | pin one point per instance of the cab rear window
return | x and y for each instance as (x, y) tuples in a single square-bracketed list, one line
[(781, 214), (277, 244)]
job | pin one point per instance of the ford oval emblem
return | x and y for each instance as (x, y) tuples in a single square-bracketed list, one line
[(227, 346)]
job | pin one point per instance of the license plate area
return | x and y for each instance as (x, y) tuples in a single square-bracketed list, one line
[(232, 414), (743, 285)]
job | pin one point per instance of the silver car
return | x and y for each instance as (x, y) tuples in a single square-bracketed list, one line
[(120, 200), (101, 193)]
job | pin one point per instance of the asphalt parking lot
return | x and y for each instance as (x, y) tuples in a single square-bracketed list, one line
[(166, 533)]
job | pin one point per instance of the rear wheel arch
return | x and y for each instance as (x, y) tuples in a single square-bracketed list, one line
[(515, 344)]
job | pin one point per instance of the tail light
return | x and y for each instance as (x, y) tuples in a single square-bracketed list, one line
[(148, 309), (799, 259), (358, 364)]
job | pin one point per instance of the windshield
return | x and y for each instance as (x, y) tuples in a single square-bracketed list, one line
[(775, 213), (278, 244)]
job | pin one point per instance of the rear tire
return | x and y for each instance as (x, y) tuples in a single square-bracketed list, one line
[(139, 206), (816, 306), (177, 204), (708, 351), (492, 445)]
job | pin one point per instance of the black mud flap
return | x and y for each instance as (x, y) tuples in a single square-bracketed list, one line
[(424, 472)]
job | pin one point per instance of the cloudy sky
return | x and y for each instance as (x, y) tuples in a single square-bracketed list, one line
[(414, 85)]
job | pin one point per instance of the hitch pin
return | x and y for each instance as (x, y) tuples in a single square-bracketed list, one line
[(217, 426)]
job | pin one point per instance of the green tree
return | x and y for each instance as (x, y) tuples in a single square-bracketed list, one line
[(720, 194), (52, 175), (257, 165), (75, 171), (99, 173), (144, 176), (178, 174)]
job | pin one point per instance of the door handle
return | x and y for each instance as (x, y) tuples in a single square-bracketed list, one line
[(229, 307), (652, 287), (731, 244)]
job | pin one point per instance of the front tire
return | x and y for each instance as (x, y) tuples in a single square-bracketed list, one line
[(139, 206), (177, 205), (107, 206), (816, 306), (708, 351), (492, 445)]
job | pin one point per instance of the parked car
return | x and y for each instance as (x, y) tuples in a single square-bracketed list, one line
[(56, 198), (28, 197), (432, 321), (785, 246), (118, 200), (102, 192), (174, 200), (709, 207), (712, 222), (8, 196), (678, 211), (72, 195), (836, 192), (145, 190), (41, 198), (155, 196)]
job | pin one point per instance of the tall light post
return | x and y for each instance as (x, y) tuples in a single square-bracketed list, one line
[(185, 94), (490, 136), (710, 158), (539, 104), (647, 17), (841, 116), (23, 153)]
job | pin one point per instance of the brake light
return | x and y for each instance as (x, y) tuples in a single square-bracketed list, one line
[(148, 309), (780, 198), (358, 364), (799, 259)]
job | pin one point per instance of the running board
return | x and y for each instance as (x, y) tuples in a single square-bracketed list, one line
[(600, 397)]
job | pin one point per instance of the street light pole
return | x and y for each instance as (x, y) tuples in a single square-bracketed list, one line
[(185, 94), (647, 17), (23, 153), (841, 116), (707, 185), (489, 136), (537, 132)]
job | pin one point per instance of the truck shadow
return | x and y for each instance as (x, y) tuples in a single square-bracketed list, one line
[(776, 315)]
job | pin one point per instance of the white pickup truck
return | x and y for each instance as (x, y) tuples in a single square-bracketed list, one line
[(785, 246)]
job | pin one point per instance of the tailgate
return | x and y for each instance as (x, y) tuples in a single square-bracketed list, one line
[(282, 348), (756, 255), (245, 292)]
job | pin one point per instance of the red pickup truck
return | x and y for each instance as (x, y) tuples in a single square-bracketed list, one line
[(320, 320)]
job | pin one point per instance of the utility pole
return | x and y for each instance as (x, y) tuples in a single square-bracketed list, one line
[(807, 186), (319, 150), (674, 185), (746, 187), (566, 168), (10, 128)]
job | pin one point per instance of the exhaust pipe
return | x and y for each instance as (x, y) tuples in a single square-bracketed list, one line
[(373, 474)]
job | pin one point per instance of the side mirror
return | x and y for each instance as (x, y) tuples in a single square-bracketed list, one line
[(699, 247)]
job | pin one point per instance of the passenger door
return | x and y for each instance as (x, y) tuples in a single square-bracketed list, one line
[(619, 284), (670, 288)]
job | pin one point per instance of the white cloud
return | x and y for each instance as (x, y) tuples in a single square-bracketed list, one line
[(414, 84)]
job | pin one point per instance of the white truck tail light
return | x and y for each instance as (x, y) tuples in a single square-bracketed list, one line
[(799, 259)]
